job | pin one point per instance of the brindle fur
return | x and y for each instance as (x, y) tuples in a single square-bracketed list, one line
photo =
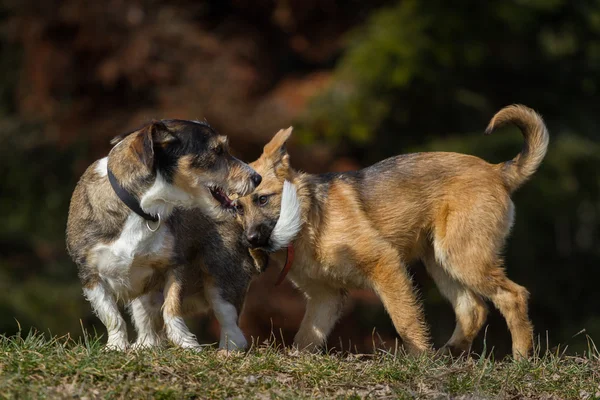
[(360, 229), (200, 242)]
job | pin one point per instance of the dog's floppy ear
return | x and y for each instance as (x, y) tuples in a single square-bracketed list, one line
[(147, 138), (275, 151), (119, 138)]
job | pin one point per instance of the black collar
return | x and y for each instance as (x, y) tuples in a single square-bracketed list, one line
[(129, 199)]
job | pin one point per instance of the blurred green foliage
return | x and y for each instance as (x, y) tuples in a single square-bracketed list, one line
[(38, 282), (421, 69)]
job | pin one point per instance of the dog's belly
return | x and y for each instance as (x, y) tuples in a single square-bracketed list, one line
[(343, 273), (136, 261)]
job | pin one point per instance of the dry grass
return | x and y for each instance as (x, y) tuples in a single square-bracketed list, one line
[(38, 367)]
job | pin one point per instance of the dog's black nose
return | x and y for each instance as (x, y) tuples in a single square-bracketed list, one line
[(256, 179), (255, 239)]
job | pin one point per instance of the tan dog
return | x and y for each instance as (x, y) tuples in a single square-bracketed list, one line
[(360, 229)]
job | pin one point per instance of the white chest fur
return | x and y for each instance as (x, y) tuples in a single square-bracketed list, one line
[(123, 263)]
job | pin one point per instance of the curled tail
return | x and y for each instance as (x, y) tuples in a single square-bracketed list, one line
[(516, 171)]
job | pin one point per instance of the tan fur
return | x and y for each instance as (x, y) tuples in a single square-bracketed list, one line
[(451, 211), (184, 176), (173, 296), (520, 168)]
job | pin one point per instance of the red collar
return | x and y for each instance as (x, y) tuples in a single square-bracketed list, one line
[(289, 259)]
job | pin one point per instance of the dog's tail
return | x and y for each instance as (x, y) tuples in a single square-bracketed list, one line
[(516, 171)]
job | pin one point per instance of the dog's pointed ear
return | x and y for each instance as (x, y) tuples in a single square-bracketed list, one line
[(147, 138), (275, 151)]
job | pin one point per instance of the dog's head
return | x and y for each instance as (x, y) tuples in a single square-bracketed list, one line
[(189, 157), (271, 216)]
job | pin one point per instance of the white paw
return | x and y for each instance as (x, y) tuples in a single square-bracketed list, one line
[(117, 345), (147, 342), (191, 346), (179, 335)]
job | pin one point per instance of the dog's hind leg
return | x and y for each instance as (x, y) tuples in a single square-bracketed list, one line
[(323, 309), (147, 319), (175, 327), (509, 298), (232, 337), (469, 308), (468, 249), (105, 307)]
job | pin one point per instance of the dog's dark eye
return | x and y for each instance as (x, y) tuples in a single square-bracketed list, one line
[(263, 200), (219, 150)]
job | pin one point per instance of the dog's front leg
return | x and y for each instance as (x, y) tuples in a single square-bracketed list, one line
[(175, 327), (147, 319), (232, 337), (105, 307), (394, 287), (323, 309)]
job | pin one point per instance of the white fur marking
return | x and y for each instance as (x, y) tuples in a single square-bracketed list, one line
[(106, 309), (232, 337), (146, 318), (115, 261), (162, 198), (179, 334), (290, 218), (102, 166)]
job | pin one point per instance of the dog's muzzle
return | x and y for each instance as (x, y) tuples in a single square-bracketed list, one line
[(259, 237)]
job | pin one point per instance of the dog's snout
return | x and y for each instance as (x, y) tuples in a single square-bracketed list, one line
[(256, 238), (256, 179), (252, 238)]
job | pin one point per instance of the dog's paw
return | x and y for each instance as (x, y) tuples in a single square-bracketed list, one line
[(310, 348), (117, 346), (230, 343), (233, 339), (192, 345), (146, 343)]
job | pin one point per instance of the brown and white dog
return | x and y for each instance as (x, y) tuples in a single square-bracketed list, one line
[(154, 218), (360, 229)]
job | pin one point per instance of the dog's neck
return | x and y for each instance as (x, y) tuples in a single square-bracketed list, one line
[(162, 198), (299, 211), (312, 199), (157, 196), (289, 222)]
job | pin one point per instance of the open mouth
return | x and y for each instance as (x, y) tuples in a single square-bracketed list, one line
[(219, 194)]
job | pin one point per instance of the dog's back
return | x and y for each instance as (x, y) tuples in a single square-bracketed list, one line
[(95, 215)]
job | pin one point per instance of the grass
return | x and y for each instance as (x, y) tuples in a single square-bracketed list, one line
[(37, 367)]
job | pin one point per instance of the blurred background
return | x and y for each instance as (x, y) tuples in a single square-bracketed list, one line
[(360, 81)]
